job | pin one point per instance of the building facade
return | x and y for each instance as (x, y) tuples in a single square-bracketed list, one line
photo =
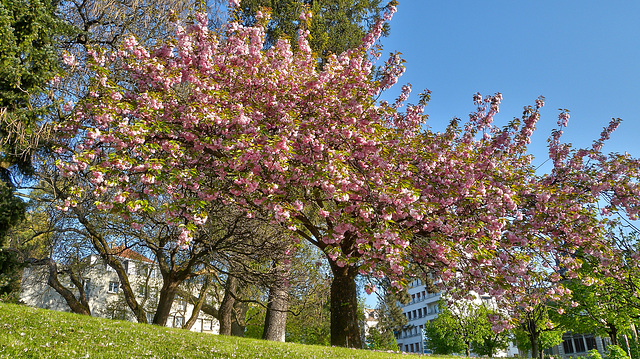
[(422, 307), (104, 293)]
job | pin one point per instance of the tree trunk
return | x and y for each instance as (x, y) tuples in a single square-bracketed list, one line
[(275, 321), (613, 333), (206, 308), (167, 295), (226, 307), (77, 306), (345, 331), (105, 253), (467, 349), (238, 326), (535, 344), (197, 305)]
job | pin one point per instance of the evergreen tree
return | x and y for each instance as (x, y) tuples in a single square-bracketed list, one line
[(28, 61)]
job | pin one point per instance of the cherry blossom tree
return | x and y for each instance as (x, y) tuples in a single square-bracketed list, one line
[(216, 117)]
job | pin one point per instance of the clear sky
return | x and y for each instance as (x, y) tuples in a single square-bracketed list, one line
[(580, 55)]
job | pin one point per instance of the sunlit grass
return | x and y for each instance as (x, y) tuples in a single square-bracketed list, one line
[(37, 333)]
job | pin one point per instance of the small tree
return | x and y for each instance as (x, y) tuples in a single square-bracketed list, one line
[(378, 339), (441, 336), (536, 332)]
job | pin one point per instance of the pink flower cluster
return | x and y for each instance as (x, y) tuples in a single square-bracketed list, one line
[(223, 119)]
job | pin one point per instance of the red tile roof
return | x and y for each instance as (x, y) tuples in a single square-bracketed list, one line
[(122, 251)]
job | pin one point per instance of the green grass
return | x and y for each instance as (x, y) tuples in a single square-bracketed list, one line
[(37, 333)]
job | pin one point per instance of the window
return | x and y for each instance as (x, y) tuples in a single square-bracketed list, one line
[(125, 264), (419, 312), (153, 293), (178, 321), (567, 345), (142, 291), (578, 343), (86, 286), (149, 318), (206, 325), (182, 305), (142, 270), (113, 287)]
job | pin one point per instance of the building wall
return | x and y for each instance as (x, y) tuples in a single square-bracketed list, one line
[(577, 345), (105, 296), (422, 308)]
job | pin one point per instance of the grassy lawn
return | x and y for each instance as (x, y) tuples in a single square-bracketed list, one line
[(37, 333)]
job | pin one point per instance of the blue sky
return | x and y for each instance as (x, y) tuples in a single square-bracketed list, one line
[(581, 55)]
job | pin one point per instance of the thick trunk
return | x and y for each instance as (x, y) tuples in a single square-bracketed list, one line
[(345, 331), (167, 295), (467, 349), (238, 326), (197, 306), (275, 321), (226, 307)]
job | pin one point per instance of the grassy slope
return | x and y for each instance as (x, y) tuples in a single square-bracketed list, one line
[(37, 333)]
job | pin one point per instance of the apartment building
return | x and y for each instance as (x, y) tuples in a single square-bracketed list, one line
[(422, 308), (104, 292)]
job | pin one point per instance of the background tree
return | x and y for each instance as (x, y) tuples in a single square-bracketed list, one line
[(391, 320), (607, 305), (536, 332), (491, 339), (441, 337), (335, 27), (467, 324)]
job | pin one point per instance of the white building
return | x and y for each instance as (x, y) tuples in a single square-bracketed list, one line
[(423, 307), (371, 319), (104, 292)]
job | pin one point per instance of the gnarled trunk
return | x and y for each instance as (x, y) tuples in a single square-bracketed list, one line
[(345, 331)]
